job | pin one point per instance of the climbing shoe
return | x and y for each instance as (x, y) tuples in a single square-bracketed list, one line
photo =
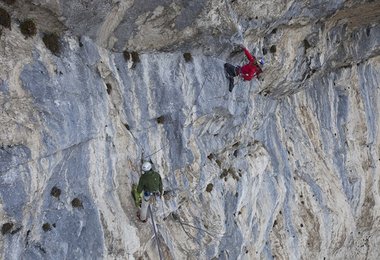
[(231, 87), (138, 216)]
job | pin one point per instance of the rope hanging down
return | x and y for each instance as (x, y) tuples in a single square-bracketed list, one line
[(155, 232)]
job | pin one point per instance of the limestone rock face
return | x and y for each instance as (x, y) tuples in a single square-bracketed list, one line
[(284, 167)]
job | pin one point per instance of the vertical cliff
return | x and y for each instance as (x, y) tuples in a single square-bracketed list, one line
[(284, 167)]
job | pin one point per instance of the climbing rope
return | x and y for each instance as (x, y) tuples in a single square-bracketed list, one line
[(155, 232)]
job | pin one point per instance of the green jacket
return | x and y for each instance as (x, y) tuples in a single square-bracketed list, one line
[(151, 182)]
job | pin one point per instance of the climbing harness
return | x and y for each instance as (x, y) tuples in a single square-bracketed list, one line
[(148, 193)]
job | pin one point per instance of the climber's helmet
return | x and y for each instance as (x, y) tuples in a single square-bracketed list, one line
[(146, 166)]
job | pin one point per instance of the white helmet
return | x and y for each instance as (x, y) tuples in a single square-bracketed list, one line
[(146, 166)]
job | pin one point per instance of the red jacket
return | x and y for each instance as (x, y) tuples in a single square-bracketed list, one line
[(250, 70)]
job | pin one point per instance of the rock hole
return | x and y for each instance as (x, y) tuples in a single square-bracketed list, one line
[(187, 56), (6, 228), (109, 88), (135, 59), (236, 152), (46, 227), (218, 162), (306, 44), (209, 187), (27, 238), (76, 203), (265, 51), (273, 49), (235, 51), (41, 248), (16, 230), (237, 194), (224, 174), (51, 41), (175, 216), (127, 126), (211, 156), (274, 223), (28, 28), (126, 55), (5, 19), (274, 31), (368, 31), (160, 120), (55, 192), (301, 225)]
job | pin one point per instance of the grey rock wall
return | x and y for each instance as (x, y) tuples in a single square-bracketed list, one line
[(283, 167)]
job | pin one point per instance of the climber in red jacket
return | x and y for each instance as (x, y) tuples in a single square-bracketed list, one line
[(247, 71)]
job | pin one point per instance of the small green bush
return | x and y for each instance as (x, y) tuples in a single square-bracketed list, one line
[(187, 56), (46, 227), (76, 203), (5, 18), (126, 55), (135, 59), (131, 55), (55, 192), (28, 28), (209, 187), (6, 228), (51, 41), (273, 49)]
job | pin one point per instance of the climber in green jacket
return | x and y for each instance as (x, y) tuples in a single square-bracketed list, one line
[(151, 184)]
